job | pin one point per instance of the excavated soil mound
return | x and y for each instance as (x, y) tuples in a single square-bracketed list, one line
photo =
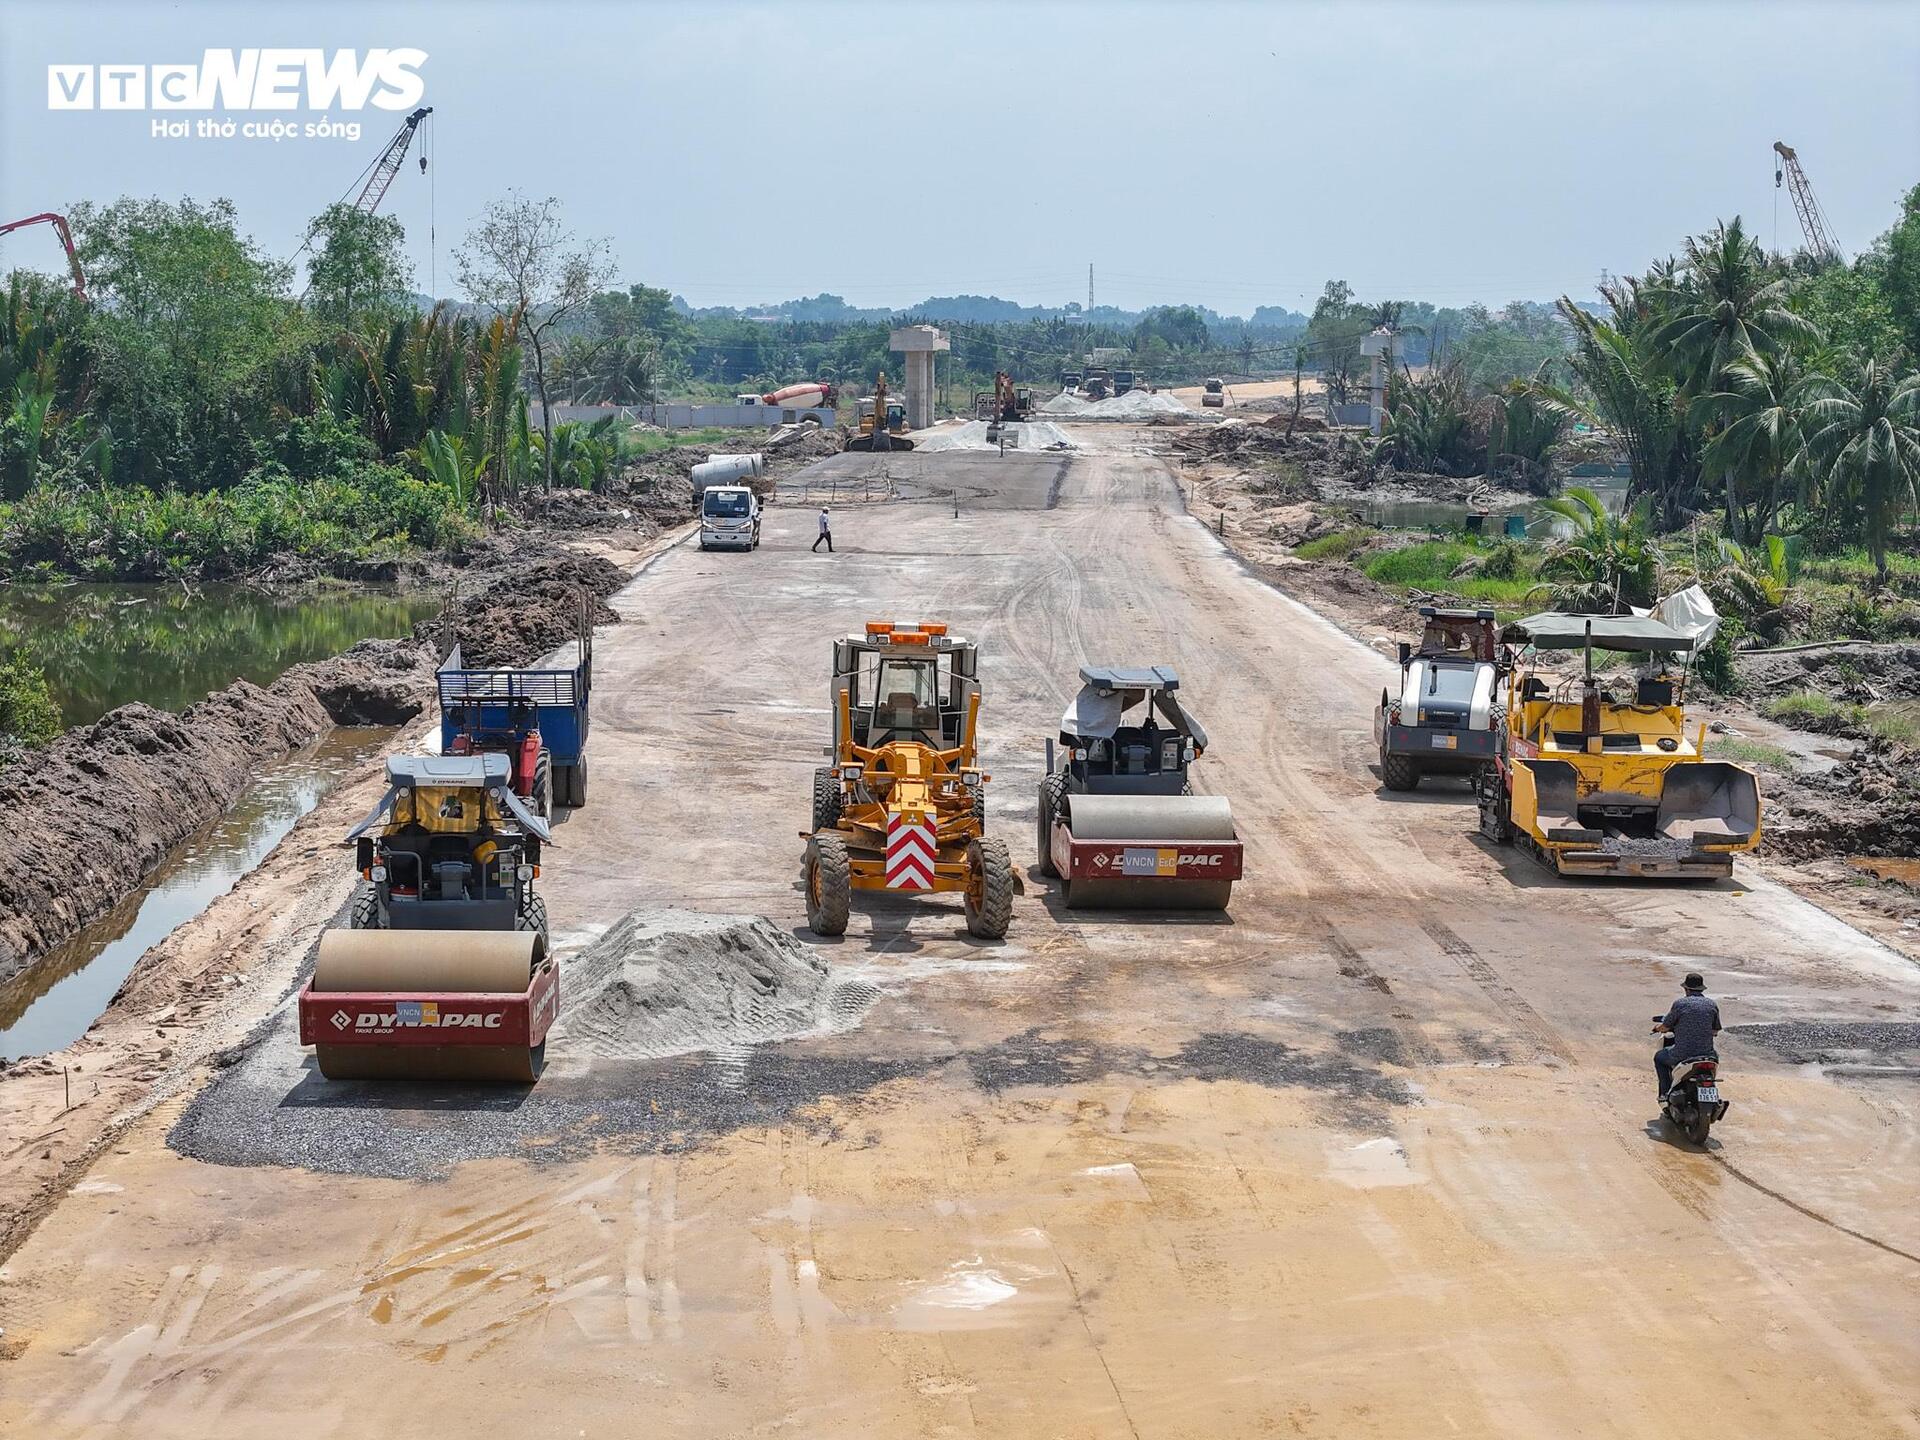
[(1858, 672), (1868, 805), (93, 813), (668, 982)]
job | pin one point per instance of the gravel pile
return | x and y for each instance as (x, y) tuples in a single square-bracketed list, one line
[(669, 982)]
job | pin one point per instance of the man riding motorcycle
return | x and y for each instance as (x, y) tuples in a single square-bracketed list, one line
[(1692, 1022)]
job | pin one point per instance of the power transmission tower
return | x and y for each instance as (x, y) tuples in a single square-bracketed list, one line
[(1813, 220)]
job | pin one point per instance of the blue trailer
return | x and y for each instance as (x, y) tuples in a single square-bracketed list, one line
[(536, 718)]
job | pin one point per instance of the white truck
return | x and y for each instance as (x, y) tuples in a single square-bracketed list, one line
[(729, 515)]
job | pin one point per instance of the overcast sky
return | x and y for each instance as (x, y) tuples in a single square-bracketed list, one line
[(1229, 154)]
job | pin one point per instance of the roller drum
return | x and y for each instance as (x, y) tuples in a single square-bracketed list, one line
[(409, 962), (1150, 820)]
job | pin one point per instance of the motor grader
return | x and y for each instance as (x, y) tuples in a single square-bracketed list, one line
[(903, 806), (1599, 775)]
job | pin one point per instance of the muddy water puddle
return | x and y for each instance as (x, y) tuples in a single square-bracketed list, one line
[(52, 1004), (1408, 513), (104, 645)]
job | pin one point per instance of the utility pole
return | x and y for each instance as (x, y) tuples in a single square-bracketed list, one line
[(1089, 287)]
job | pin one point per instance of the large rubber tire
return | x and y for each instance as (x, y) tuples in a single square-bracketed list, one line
[(534, 917), (827, 800), (1398, 772), (542, 791), (980, 809), (1699, 1127), (1051, 789), (829, 880), (987, 859), (365, 914), (577, 791)]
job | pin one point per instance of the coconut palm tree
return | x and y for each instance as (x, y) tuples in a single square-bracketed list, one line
[(1727, 305), (1608, 562), (1754, 421), (1863, 441)]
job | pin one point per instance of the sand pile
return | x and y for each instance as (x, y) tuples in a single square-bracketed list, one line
[(1029, 435), (1134, 405), (667, 982)]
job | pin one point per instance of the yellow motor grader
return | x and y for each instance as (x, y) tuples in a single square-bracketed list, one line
[(903, 806), (1599, 775)]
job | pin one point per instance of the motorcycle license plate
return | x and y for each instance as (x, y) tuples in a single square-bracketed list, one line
[(1709, 1095)]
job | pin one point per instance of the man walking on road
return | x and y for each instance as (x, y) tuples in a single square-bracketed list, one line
[(826, 532)]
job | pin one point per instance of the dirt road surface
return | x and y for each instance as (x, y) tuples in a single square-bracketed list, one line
[(1374, 1156)]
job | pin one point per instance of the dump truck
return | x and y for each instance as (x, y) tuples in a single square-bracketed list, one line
[(444, 970), (1118, 820), (903, 805), (537, 718), (1599, 775), (1439, 720)]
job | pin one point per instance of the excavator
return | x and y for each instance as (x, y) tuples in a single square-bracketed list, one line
[(887, 433), (59, 223)]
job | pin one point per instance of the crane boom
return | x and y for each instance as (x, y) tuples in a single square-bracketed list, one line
[(59, 223), (1813, 220), (388, 165)]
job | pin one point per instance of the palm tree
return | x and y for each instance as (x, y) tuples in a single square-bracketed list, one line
[(1728, 305), (1606, 563), (1754, 419), (1863, 440)]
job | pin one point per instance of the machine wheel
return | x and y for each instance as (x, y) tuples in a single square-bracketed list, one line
[(827, 800), (1051, 789), (365, 914), (577, 791), (1699, 1127), (534, 917), (542, 791), (1398, 772), (980, 809), (989, 888), (829, 875)]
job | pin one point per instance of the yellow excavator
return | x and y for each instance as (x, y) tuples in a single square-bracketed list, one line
[(1599, 776), (903, 806), (883, 422)]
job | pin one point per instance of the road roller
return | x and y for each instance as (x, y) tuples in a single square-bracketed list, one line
[(444, 971), (1119, 822), (904, 805)]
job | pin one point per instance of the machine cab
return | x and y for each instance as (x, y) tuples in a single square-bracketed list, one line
[(1127, 730), (904, 683)]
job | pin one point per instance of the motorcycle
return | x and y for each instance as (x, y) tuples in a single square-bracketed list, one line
[(1693, 1102)]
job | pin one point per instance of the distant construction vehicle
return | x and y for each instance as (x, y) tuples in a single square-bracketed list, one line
[(468, 991), (1213, 394), (1441, 719), (903, 806), (1596, 782), (536, 718), (1813, 220), (882, 422), (1119, 821)]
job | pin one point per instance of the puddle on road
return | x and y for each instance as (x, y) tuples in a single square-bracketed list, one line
[(1371, 1164), (51, 1005)]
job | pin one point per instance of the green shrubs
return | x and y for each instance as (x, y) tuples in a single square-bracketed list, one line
[(28, 715), (1453, 567), (1340, 545), (133, 534)]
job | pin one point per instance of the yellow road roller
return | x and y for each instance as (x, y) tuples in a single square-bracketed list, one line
[(1600, 775), (444, 971)]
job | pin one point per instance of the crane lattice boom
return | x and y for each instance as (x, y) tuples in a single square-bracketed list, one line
[(1813, 220), (388, 165)]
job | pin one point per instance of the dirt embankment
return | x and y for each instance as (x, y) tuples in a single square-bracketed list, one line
[(93, 814)]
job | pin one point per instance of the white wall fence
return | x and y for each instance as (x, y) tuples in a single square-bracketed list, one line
[(689, 417)]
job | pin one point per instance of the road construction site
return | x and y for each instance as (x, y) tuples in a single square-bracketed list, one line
[(1371, 1153)]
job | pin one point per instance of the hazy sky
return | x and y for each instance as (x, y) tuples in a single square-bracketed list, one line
[(1231, 154)]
